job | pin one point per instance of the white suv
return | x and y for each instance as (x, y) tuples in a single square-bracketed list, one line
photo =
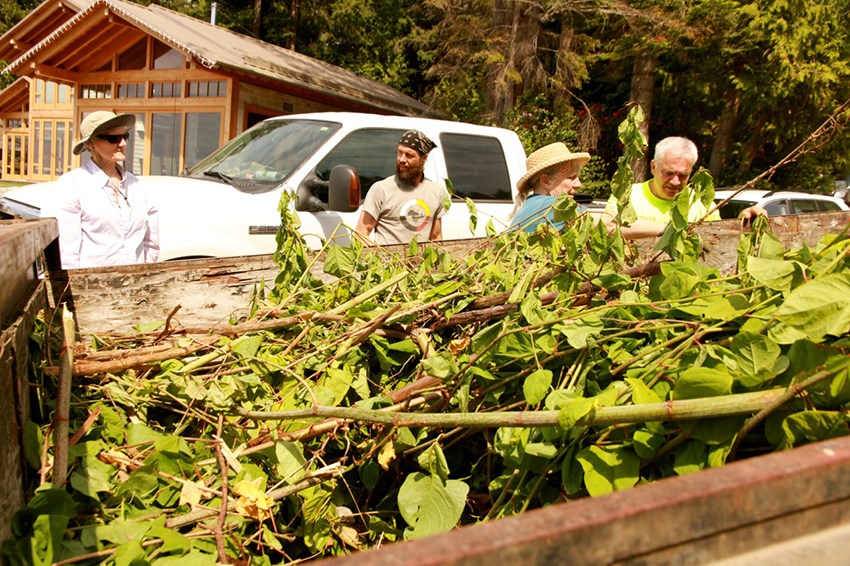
[(776, 203)]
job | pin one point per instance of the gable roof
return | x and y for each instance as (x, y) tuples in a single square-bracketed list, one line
[(215, 48), (16, 96), (36, 25)]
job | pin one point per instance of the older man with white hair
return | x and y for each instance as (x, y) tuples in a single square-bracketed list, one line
[(652, 200)]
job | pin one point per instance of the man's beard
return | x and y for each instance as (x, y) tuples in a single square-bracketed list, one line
[(410, 176)]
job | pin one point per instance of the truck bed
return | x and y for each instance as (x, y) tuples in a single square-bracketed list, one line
[(756, 509)]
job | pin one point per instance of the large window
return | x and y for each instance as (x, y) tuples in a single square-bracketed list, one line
[(51, 94), (164, 57), (206, 88), (96, 91), (135, 151), (15, 155), (165, 143), (166, 90), (203, 130), (476, 167), (131, 90), (52, 147), (134, 58)]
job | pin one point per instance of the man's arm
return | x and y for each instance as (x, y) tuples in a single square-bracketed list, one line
[(641, 229), (365, 224), (749, 214), (436, 230)]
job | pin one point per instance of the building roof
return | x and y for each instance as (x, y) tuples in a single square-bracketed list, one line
[(37, 25), (212, 47), (16, 96)]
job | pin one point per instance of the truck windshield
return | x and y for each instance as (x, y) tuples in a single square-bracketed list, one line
[(259, 159)]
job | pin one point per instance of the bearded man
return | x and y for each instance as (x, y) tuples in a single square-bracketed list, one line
[(407, 204)]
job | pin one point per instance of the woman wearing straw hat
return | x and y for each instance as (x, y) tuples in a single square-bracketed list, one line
[(551, 171), (104, 217)]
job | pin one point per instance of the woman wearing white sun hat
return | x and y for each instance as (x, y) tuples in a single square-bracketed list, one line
[(105, 218)]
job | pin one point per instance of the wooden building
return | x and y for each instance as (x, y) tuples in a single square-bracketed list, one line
[(192, 85)]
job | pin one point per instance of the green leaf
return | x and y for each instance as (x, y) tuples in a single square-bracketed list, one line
[(757, 358), (194, 558), (172, 541), (608, 469), (138, 433), (536, 386), (332, 388), (121, 531), (695, 383), (774, 274), (641, 393), (148, 327), (317, 511), (93, 477), (247, 346), (433, 461), (441, 365), (646, 441), (141, 483), (578, 332), (690, 458), (531, 310), (429, 505), (129, 554), (820, 307), (811, 426), (33, 439), (678, 285), (571, 473), (290, 460), (473, 215), (340, 260), (576, 412), (544, 450)]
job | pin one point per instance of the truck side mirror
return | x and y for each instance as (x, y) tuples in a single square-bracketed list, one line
[(305, 196), (344, 189)]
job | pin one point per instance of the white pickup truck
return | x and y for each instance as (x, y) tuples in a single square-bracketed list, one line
[(226, 205)]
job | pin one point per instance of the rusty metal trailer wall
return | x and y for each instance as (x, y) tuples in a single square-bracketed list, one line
[(696, 519), (22, 296)]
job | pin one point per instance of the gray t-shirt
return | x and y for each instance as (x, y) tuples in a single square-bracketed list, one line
[(402, 211)]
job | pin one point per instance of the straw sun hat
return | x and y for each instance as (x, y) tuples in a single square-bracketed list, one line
[(99, 122), (546, 157)]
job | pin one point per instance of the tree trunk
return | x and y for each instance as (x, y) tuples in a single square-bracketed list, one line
[(643, 88), (258, 19), (564, 76), (517, 25), (294, 17), (724, 136)]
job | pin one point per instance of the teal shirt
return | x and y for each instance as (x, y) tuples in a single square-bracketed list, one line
[(536, 210)]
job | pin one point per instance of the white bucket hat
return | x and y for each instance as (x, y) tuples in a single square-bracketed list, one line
[(546, 157), (99, 122)]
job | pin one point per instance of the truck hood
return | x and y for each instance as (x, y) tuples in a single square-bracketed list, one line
[(200, 218)]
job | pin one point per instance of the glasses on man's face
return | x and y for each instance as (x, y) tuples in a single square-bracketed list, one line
[(114, 139)]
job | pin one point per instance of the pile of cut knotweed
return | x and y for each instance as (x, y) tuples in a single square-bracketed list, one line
[(418, 392)]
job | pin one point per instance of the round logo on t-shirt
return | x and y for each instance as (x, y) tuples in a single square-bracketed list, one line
[(415, 215)]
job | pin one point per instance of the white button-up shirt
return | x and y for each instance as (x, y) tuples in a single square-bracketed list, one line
[(99, 226)]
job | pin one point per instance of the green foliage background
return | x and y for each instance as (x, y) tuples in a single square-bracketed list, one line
[(748, 81)]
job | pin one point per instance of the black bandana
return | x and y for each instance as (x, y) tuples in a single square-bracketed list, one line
[(415, 139)]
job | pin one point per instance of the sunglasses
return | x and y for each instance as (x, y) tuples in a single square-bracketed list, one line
[(114, 139)]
